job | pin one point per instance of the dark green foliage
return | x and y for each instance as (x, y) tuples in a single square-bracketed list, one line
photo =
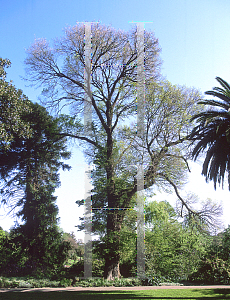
[(78, 269), (212, 134), (214, 267), (171, 249), (12, 104), (26, 282), (77, 248), (11, 255), (212, 271), (29, 171), (225, 253)]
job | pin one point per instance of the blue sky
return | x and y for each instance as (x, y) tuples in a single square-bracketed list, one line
[(195, 41)]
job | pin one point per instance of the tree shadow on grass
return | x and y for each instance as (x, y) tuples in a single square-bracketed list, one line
[(107, 295), (224, 293)]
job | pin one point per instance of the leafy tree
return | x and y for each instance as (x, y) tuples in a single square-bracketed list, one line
[(2, 238), (113, 146), (220, 245), (171, 250), (226, 244), (212, 134), (166, 150), (29, 168), (12, 104), (77, 248), (214, 266)]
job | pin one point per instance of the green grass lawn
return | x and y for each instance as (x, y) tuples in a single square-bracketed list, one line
[(125, 295)]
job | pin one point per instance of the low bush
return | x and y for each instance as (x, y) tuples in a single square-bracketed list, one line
[(65, 282), (23, 282), (212, 271), (94, 282)]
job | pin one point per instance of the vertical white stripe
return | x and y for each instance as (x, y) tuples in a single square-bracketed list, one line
[(140, 80), (88, 224), (140, 133), (87, 81), (88, 131), (140, 223)]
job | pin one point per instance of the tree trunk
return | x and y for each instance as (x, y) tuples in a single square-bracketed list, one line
[(112, 269), (112, 258), (112, 242)]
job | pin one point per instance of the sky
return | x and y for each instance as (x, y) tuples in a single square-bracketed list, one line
[(195, 42)]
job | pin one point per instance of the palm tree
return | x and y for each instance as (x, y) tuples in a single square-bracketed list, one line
[(212, 132)]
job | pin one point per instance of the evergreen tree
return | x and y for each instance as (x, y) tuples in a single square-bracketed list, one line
[(29, 170)]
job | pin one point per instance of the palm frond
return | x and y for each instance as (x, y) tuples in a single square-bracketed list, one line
[(218, 95), (216, 103), (223, 83), (211, 134)]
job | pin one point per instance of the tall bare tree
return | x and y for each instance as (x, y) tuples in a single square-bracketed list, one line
[(113, 144), (60, 70)]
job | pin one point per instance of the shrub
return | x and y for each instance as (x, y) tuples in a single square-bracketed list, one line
[(23, 282), (78, 269), (65, 282), (212, 271), (94, 282)]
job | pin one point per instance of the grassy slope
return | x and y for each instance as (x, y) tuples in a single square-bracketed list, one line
[(125, 295)]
